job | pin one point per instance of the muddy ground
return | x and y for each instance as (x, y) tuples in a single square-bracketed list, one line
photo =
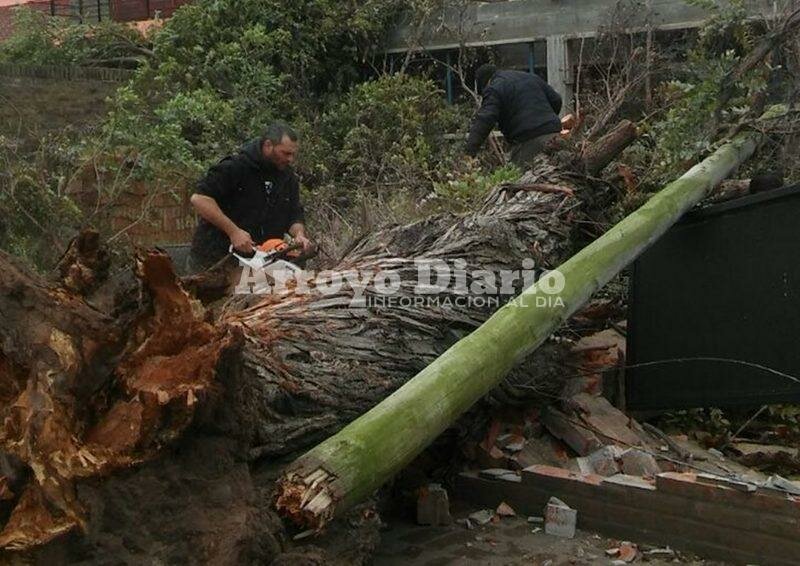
[(512, 541)]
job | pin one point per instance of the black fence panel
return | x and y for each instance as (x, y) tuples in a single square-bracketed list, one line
[(724, 283)]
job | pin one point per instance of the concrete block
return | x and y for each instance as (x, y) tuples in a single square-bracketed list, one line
[(559, 519), (433, 506), (482, 517)]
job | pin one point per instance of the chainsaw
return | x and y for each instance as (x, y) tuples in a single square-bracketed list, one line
[(273, 255)]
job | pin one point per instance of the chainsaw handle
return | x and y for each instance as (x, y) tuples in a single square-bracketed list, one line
[(233, 252)]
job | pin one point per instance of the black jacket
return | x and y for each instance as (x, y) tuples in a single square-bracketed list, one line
[(523, 104), (254, 194)]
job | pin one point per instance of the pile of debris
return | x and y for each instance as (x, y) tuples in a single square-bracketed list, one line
[(583, 461)]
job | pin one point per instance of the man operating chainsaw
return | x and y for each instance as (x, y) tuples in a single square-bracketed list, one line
[(249, 198)]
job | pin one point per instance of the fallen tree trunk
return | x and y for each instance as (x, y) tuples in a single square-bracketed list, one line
[(312, 363), (94, 391), (350, 465)]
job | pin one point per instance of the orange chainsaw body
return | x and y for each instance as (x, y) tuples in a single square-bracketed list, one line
[(277, 245)]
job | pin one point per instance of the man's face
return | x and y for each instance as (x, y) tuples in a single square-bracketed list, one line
[(281, 155)]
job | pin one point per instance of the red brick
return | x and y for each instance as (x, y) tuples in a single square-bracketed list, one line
[(579, 438), (702, 508), (604, 419), (538, 471)]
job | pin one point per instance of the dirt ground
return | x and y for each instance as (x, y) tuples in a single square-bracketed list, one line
[(511, 542)]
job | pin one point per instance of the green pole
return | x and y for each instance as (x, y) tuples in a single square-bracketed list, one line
[(352, 464)]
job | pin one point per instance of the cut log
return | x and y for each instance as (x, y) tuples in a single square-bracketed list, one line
[(599, 154), (350, 465)]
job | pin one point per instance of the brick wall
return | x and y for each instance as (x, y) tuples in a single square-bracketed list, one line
[(135, 10), (5, 22), (681, 510), (7, 13), (151, 215), (144, 213), (66, 72), (120, 10)]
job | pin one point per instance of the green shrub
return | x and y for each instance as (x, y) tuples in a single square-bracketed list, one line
[(673, 141), (37, 217), (223, 69), (386, 134), (465, 190)]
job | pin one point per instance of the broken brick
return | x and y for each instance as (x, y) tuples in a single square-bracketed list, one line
[(628, 552), (639, 463), (579, 438), (505, 510), (604, 461), (492, 458), (608, 422)]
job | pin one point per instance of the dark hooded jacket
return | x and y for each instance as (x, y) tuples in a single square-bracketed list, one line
[(522, 104), (257, 196)]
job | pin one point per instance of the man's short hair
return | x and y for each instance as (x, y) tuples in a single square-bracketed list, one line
[(483, 75), (276, 130)]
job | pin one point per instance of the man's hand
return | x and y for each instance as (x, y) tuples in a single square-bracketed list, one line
[(241, 241), (305, 242)]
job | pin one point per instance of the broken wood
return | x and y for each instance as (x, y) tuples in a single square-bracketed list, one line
[(84, 394), (596, 156), (350, 465)]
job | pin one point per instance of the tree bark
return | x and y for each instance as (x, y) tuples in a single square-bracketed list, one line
[(311, 363), (598, 155)]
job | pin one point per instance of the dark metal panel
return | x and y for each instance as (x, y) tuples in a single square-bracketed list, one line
[(723, 283)]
